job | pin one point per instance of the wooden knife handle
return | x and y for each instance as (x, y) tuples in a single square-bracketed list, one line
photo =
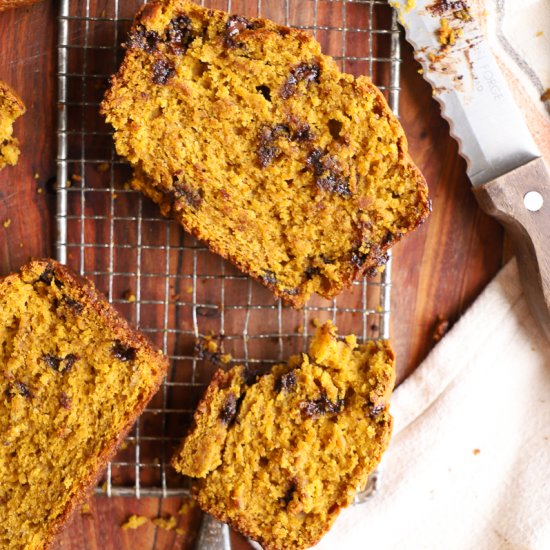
[(520, 200)]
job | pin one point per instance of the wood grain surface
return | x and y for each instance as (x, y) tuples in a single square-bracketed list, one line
[(437, 272)]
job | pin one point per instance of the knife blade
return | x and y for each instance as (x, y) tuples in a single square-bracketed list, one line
[(511, 181), (470, 88)]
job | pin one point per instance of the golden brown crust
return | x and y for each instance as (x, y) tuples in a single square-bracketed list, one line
[(11, 4), (300, 210), (11, 108), (127, 335), (121, 330), (369, 268), (12, 99)]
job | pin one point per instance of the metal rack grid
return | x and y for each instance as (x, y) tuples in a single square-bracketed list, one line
[(163, 280)]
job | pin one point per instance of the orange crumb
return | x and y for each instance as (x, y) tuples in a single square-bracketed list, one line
[(133, 522)]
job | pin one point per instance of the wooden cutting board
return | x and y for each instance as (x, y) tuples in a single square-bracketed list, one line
[(438, 271)]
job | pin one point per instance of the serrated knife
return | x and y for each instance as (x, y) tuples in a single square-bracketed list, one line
[(510, 179)]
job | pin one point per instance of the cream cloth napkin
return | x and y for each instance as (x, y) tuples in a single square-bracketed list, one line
[(469, 463)]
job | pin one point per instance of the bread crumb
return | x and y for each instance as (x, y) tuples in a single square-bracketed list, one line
[(189, 289), (546, 95), (211, 346), (300, 329), (447, 35), (36, 175), (316, 322), (103, 167), (40, 190), (463, 15), (539, 34), (180, 531), (85, 510), (167, 523), (7, 223), (210, 349), (129, 296), (440, 329), (76, 177), (186, 507), (476, 451), (133, 522)]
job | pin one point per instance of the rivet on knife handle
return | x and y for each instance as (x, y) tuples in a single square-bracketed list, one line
[(520, 200)]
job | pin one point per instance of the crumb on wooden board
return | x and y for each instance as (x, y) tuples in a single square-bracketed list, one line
[(168, 523), (133, 522)]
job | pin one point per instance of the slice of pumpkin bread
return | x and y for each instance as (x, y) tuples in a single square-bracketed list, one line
[(11, 108), (279, 456), (73, 378), (252, 139)]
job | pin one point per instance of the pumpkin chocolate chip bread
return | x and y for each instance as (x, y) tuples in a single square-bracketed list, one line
[(73, 378), (279, 456), (252, 139), (11, 108)]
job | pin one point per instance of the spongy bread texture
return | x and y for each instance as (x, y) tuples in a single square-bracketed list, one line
[(73, 378), (256, 143), (278, 457), (11, 108)]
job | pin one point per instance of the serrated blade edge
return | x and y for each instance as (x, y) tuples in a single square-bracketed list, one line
[(484, 119)]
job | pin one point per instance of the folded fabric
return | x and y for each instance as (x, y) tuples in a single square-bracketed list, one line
[(469, 464)]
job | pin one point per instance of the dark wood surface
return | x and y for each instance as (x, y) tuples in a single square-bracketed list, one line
[(437, 272)]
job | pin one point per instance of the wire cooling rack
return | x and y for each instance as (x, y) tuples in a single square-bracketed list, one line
[(164, 281)]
